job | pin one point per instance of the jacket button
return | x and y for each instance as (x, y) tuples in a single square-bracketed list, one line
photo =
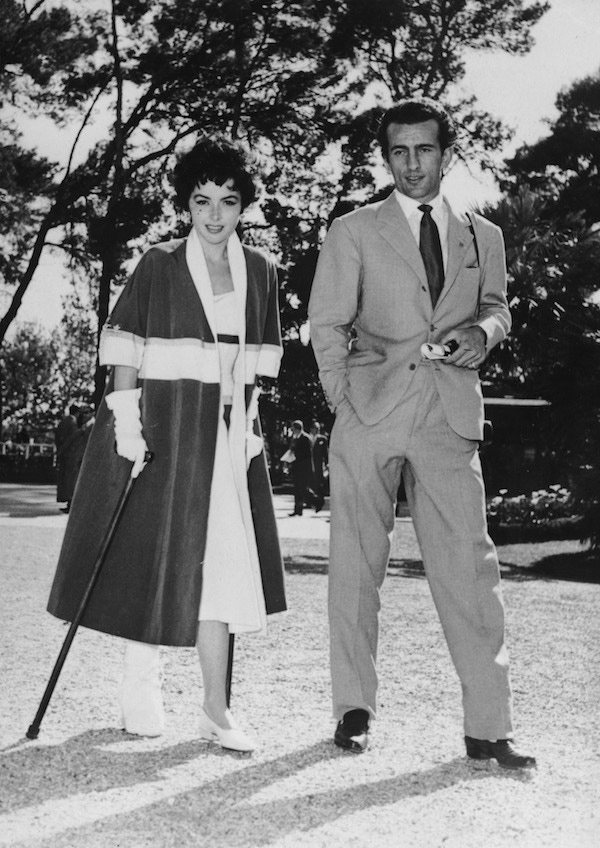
[(412, 366), (432, 327)]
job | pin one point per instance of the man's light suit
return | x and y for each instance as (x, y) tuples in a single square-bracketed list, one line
[(398, 414)]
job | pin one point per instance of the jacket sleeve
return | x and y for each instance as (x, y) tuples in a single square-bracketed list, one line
[(494, 315), (333, 307), (123, 337)]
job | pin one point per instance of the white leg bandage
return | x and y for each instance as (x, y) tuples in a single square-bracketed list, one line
[(140, 696)]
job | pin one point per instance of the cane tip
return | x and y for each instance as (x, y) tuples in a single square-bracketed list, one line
[(32, 732)]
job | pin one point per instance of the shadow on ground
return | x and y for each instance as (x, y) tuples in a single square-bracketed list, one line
[(81, 767), (28, 501), (580, 566)]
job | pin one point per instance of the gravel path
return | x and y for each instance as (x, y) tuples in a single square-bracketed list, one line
[(84, 783)]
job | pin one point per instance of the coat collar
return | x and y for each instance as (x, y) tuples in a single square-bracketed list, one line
[(197, 267)]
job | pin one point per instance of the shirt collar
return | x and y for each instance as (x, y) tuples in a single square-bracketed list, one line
[(410, 206)]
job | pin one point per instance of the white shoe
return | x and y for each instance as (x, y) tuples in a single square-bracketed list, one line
[(140, 695), (231, 738)]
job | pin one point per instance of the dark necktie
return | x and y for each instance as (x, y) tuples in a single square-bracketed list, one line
[(431, 251)]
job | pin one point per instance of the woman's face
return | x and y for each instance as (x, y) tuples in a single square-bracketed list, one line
[(215, 211)]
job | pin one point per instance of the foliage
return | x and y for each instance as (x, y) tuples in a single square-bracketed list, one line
[(538, 508), (552, 264), (40, 46), (299, 393), (75, 346), (43, 373), (30, 374), (553, 251), (288, 76), (565, 165), (295, 79), (588, 496)]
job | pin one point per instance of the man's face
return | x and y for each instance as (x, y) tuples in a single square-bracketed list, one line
[(416, 160)]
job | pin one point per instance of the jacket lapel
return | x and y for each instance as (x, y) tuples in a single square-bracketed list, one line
[(394, 228), (460, 239)]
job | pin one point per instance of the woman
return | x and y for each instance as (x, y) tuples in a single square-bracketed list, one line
[(196, 555)]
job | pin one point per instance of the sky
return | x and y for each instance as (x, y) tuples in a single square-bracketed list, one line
[(519, 90), (522, 90)]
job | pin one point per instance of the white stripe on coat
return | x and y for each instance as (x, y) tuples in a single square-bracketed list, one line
[(263, 360), (269, 360), (180, 359), (118, 347)]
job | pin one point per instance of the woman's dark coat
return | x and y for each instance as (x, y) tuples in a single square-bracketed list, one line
[(150, 585)]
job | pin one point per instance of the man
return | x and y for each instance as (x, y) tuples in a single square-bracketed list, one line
[(68, 456), (320, 460), (302, 468), (392, 277)]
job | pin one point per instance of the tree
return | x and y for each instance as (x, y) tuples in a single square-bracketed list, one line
[(44, 372), (565, 165), (290, 77), (169, 70), (30, 371), (75, 345), (38, 48), (553, 259), (564, 169)]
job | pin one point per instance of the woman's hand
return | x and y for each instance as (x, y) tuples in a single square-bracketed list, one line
[(129, 441)]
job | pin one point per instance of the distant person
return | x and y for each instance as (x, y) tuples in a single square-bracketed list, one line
[(405, 280), (320, 457), (196, 556), (22, 437), (301, 468), (67, 437), (85, 422)]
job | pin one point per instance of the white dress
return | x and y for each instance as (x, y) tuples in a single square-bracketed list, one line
[(231, 582)]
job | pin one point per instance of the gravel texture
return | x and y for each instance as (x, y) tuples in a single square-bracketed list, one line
[(85, 783)]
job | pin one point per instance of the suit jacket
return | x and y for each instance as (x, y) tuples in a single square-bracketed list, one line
[(301, 446), (370, 310)]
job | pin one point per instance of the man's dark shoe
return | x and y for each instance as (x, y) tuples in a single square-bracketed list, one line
[(352, 732), (504, 751)]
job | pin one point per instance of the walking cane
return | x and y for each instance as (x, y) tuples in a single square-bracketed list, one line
[(34, 727)]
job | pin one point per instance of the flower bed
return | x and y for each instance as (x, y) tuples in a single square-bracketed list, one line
[(543, 515)]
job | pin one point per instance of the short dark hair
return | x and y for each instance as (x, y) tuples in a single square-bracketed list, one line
[(214, 159), (415, 111)]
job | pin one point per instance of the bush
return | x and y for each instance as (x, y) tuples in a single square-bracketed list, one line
[(587, 491), (545, 514)]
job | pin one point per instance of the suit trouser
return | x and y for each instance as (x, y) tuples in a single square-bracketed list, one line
[(303, 493), (444, 487)]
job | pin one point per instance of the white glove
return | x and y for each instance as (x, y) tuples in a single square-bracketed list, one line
[(254, 443), (130, 444)]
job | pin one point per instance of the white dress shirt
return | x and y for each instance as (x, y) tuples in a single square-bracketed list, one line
[(413, 214), (439, 213)]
